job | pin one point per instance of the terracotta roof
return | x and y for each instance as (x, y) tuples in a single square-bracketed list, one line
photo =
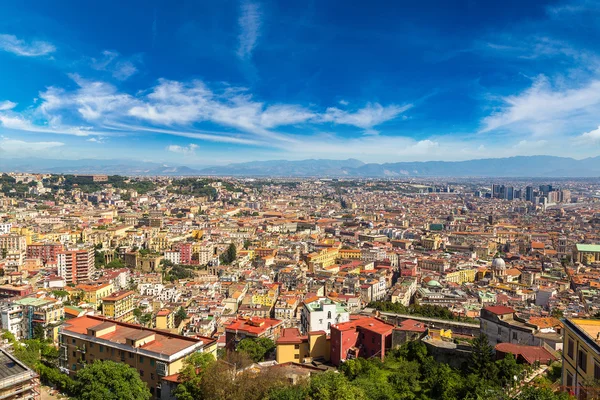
[(369, 323), (499, 310), (530, 354)]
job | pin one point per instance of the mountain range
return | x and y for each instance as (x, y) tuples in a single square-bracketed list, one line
[(520, 166)]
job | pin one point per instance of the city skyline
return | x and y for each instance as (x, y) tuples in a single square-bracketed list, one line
[(212, 84)]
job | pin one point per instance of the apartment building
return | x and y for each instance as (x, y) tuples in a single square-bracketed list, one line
[(119, 305), (154, 353), (254, 327), (93, 294), (581, 356), (76, 265), (365, 337), (165, 319), (17, 381), (47, 252), (319, 313), (13, 242)]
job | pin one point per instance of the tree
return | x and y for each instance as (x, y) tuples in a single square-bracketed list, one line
[(333, 386), (115, 264), (256, 349), (190, 377), (108, 380), (482, 357), (180, 315), (508, 369), (229, 255)]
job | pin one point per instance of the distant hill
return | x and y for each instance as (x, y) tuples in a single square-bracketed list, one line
[(521, 166)]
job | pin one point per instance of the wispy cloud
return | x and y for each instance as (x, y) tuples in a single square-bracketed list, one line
[(249, 24), (185, 150), (99, 139), (112, 62), (7, 105), (371, 115), (20, 146), (545, 109), (20, 47)]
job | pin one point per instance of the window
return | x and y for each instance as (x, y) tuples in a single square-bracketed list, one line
[(296, 356), (91, 345), (328, 325), (582, 360), (74, 367), (152, 376), (499, 330), (141, 359), (373, 339), (74, 354), (74, 341), (141, 373), (514, 335), (596, 371), (296, 346), (569, 379), (152, 391), (130, 355), (151, 363), (570, 347), (101, 349), (328, 314)]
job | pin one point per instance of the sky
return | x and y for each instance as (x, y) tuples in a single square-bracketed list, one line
[(218, 82)]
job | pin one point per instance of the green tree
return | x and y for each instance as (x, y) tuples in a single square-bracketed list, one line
[(108, 380), (333, 386), (180, 315), (228, 255), (508, 369), (482, 357), (115, 264), (256, 349), (190, 377)]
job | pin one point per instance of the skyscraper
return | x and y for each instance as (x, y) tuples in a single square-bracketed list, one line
[(529, 193)]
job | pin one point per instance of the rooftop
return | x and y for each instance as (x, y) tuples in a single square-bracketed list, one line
[(163, 343), (588, 247), (12, 371), (370, 323)]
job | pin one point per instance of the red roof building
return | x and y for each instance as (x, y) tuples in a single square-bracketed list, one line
[(254, 327), (360, 337)]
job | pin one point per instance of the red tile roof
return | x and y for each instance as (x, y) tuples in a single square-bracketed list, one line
[(369, 323), (253, 326), (530, 354)]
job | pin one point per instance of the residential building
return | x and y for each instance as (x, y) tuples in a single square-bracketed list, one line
[(254, 327), (17, 381), (165, 319), (295, 347), (76, 265), (319, 313), (119, 305), (581, 355), (153, 353), (366, 337)]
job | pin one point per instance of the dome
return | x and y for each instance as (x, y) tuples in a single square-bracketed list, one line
[(498, 264), (433, 283)]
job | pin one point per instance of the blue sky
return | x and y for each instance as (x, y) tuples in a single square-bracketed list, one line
[(203, 83)]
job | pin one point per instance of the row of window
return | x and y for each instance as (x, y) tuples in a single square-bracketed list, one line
[(581, 359)]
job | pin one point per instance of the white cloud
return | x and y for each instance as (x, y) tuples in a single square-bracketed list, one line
[(544, 109), (7, 105), (591, 136), (20, 146), (185, 150), (250, 23), (344, 102), (99, 139), (366, 118), (14, 45), (111, 61)]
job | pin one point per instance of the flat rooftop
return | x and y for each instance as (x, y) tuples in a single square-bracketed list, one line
[(591, 327), (12, 371), (163, 343)]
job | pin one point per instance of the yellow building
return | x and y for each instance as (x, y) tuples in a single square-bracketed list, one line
[(293, 347), (461, 276), (581, 355), (350, 254), (154, 354), (119, 305), (266, 297), (93, 294), (432, 242), (165, 319), (323, 258)]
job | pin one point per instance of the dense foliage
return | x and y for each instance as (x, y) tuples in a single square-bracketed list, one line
[(108, 380), (407, 373), (256, 348), (426, 310), (229, 255)]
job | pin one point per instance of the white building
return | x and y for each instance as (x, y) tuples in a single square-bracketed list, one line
[(173, 256), (13, 319), (318, 314), (5, 228)]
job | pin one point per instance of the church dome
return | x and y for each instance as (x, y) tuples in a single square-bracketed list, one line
[(433, 283), (498, 264)]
